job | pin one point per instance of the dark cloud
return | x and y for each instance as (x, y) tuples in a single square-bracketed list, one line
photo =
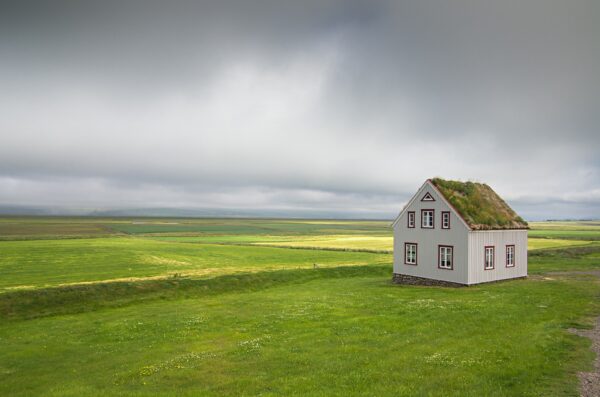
[(329, 105)]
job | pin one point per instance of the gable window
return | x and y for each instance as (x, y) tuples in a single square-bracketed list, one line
[(489, 258), (510, 256), (427, 219), (445, 219), (411, 219), (410, 253), (445, 254), (428, 197)]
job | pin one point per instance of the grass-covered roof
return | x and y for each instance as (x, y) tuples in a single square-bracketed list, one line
[(479, 205)]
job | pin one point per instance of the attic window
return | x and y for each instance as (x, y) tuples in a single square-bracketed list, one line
[(427, 219), (445, 219), (428, 197), (411, 219)]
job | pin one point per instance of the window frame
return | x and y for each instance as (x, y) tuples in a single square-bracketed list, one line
[(485, 251), (406, 244), (414, 220), (444, 213), (451, 247), (432, 218), (514, 250)]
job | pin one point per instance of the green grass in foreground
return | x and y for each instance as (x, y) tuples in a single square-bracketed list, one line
[(328, 336)]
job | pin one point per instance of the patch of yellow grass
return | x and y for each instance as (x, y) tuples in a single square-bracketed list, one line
[(387, 243), (338, 241), (158, 260), (566, 225), (541, 243)]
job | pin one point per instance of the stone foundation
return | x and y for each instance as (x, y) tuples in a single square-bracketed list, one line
[(414, 280)]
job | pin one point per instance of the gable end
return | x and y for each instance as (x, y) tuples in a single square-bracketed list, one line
[(418, 194)]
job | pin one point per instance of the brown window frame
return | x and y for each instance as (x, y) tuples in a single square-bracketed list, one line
[(416, 254), (414, 219), (444, 213), (514, 250), (493, 257), (432, 218), (440, 246)]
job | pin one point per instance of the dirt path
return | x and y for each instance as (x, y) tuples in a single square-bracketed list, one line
[(590, 381)]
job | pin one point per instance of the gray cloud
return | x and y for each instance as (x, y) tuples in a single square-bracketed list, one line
[(328, 105)]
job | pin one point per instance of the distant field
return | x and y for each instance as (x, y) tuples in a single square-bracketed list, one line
[(543, 243), (349, 242), (251, 226), (19, 228), (186, 307), (61, 227), (566, 225), (352, 241), (53, 262), (589, 230)]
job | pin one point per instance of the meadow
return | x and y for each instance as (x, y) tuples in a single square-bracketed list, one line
[(151, 306)]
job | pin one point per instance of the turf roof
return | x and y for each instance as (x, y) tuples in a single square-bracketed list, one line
[(479, 205)]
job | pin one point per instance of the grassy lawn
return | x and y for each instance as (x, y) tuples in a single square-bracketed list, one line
[(321, 337), (186, 315)]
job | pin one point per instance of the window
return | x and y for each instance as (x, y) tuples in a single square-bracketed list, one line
[(445, 256), (445, 219), (428, 197), (411, 219), (510, 256), (489, 258), (410, 253), (427, 219)]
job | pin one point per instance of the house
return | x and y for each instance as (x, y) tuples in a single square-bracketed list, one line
[(458, 233)]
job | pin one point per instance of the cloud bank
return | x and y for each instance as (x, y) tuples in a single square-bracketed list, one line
[(336, 106)]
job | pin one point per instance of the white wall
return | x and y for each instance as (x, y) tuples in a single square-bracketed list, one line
[(499, 239), (429, 239)]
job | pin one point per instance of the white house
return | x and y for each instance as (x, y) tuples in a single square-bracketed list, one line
[(458, 233)]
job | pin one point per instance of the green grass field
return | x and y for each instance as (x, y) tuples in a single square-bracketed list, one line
[(46, 263), (188, 307)]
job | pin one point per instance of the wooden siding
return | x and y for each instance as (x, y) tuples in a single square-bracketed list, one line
[(478, 240)]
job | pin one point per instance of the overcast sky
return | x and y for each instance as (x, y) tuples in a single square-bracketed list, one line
[(336, 106)]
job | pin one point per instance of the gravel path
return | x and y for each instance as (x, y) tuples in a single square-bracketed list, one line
[(590, 381)]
